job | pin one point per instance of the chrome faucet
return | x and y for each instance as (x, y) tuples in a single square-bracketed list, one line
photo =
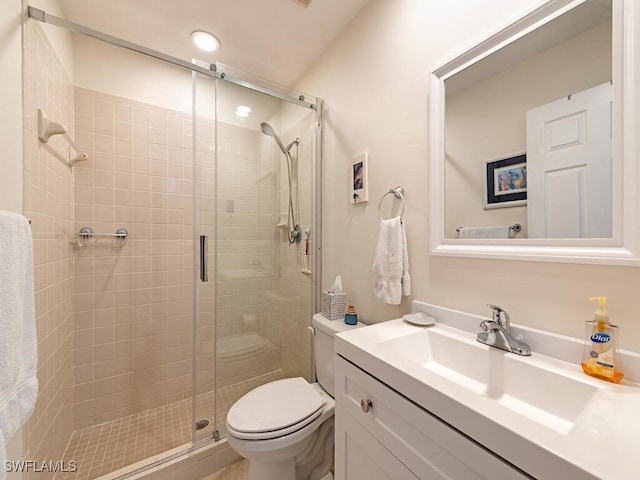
[(497, 333)]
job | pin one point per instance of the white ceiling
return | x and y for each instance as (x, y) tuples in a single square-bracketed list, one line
[(277, 40)]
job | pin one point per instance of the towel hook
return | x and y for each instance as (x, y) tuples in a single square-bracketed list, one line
[(397, 192)]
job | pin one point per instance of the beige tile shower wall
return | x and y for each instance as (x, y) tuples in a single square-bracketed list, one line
[(295, 310), (133, 303), (248, 341), (48, 187)]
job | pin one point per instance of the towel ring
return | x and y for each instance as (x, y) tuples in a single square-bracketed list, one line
[(397, 192)]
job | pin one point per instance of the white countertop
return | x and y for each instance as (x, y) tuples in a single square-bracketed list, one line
[(604, 442)]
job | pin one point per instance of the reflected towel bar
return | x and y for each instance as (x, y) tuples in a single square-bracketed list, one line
[(516, 227)]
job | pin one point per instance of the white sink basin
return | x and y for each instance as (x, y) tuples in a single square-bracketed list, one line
[(540, 413), (540, 390)]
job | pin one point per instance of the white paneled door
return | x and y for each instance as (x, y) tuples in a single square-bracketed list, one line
[(569, 166)]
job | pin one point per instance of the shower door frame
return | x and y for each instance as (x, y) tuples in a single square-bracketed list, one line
[(211, 71)]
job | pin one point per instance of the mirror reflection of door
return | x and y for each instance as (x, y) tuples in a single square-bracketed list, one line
[(569, 166), (486, 103)]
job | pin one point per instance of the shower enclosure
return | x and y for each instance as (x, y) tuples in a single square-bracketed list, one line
[(145, 342)]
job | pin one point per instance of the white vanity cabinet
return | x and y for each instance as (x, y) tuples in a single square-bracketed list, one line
[(380, 434)]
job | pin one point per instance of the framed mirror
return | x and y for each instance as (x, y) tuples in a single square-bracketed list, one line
[(533, 138)]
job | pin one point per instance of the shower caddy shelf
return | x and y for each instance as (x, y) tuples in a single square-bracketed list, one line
[(85, 234)]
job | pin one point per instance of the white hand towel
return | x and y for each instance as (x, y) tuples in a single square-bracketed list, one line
[(18, 348), (391, 278), (497, 231)]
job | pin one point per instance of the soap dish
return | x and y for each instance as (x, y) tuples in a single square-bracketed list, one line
[(419, 318)]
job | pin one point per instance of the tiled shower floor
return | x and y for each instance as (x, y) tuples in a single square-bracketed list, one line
[(104, 448)]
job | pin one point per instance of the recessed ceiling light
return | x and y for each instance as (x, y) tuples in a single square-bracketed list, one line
[(205, 41), (243, 111)]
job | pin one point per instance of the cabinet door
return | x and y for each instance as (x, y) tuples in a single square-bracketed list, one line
[(428, 447), (359, 456)]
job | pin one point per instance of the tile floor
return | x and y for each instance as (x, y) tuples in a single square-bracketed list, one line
[(104, 448), (236, 471)]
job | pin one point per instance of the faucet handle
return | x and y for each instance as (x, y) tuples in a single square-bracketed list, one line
[(495, 311), (500, 316)]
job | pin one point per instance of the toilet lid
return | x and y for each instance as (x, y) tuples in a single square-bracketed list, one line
[(275, 406)]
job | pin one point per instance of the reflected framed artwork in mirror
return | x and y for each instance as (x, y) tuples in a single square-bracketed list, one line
[(505, 182), (557, 84)]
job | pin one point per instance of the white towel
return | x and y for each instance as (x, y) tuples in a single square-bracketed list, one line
[(18, 349), (497, 231), (391, 278)]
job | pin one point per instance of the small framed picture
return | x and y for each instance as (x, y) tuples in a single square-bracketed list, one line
[(359, 178), (505, 181)]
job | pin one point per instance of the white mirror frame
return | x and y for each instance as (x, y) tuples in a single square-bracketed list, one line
[(624, 247)]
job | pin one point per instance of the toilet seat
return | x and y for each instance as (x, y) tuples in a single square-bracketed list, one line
[(275, 409)]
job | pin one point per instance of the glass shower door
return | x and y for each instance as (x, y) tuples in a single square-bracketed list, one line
[(263, 292), (254, 285)]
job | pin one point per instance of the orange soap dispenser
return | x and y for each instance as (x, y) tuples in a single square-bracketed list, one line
[(601, 346)]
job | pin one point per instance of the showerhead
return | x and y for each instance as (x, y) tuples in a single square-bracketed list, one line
[(268, 130)]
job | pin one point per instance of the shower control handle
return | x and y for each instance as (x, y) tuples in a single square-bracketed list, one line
[(295, 235), (366, 405)]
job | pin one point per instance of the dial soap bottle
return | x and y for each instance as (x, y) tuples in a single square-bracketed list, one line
[(601, 346)]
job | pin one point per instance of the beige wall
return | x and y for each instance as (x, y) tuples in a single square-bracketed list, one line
[(11, 183), (11, 188), (48, 201), (61, 40), (374, 80), (481, 128)]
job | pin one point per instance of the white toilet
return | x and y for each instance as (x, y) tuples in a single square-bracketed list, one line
[(285, 428)]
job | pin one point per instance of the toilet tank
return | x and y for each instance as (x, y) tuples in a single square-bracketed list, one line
[(324, 350)]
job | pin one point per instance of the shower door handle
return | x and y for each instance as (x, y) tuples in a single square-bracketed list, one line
[(204, 258)]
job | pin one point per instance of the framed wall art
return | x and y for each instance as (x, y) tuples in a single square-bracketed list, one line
[(359, 178), (505, 181)]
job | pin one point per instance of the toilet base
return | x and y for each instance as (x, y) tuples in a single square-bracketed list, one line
[(312, 457), (318, 458), (285, 470)]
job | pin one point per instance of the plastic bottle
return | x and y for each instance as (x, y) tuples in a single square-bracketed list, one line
[(601, 346)]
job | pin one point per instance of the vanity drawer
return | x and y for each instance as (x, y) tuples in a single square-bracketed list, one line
[(423, 443)]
